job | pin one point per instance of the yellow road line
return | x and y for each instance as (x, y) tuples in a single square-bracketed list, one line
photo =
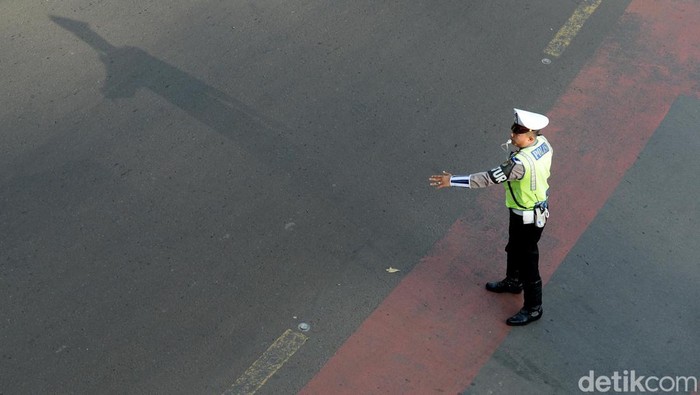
[(571, 28), (269, 362)]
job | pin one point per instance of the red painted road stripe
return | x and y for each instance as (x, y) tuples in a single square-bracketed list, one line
[(439, 326)]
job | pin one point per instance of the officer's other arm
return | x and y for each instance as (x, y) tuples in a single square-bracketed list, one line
[(510, 170)]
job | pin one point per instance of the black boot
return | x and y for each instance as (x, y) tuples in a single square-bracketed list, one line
[(525, 316), (508, 284), (532, 308)]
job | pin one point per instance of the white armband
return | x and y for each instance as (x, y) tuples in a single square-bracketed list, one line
[(460, 181)]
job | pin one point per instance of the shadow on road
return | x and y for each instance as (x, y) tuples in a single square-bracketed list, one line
[(129, 69)]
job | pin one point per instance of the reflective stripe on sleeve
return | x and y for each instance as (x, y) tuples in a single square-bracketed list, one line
[(460, 181)]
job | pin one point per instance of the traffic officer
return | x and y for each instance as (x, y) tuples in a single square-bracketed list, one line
[(524, 176)]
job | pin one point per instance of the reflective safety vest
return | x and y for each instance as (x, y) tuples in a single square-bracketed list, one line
[(533, 188)]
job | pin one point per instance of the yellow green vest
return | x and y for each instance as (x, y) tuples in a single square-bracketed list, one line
[(523, 194)]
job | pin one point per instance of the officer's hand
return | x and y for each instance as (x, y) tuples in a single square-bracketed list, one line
[(440, 180)]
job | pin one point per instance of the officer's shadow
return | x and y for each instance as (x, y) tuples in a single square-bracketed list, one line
[(129, 69)]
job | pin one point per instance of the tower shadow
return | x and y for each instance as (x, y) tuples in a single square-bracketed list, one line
[(129, 69)]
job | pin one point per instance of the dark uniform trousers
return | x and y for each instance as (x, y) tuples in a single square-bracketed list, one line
[(523, 258)]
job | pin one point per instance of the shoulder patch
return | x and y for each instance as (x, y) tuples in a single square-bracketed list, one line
[(501, 173)]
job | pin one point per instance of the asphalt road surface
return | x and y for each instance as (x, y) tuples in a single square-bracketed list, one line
[(183, 182)]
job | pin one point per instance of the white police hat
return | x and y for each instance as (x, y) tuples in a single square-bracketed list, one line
[(530, 120)]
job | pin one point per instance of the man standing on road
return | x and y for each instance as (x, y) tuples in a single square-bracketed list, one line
[(524, 176)]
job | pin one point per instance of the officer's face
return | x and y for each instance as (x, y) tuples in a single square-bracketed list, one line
[(521, 136), (521, 140)]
